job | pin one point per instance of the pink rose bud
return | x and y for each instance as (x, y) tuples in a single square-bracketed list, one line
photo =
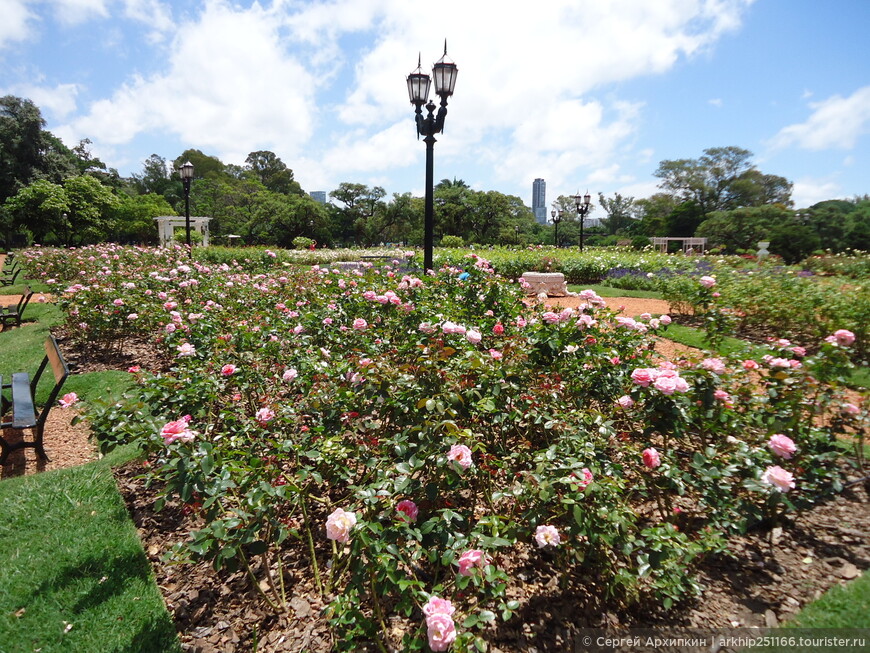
[(651, 458), (408, 510)]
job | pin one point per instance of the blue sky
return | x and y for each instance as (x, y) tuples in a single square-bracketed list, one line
[(588, 94)]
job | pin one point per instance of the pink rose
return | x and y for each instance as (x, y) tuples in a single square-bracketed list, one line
[(715, 365), (436, 605), (721, 395), (473, 336), (707, 282), (460, 456), (470, 560), (666, 384), (228, 370), (665, 319), (643, 376), (843, 337), (177, 430), (186, 349), (782, 445), (339, 525), (550, 317), (441, 631), (264, 416), (779, 478), (850, 409), (360, 324), (495, 353), (68, 399), (651, 458), (547, 535), (289, 375), (750, 364), (586, 480), (408, 510), (498, 329), (625, 401)]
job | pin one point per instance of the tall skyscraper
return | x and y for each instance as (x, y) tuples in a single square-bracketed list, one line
[(539, 200), (318, 196)]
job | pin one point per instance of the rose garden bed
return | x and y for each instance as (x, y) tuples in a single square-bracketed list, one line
[(381, 460)]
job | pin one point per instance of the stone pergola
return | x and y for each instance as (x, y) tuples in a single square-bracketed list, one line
[(166, 225), (687, 244)]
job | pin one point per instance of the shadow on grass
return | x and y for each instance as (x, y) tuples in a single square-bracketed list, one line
[(97, 581)]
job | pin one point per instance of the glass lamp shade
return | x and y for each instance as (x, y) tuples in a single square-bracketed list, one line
[(444, 72), (587, 199), (186, 170), (418, 87)]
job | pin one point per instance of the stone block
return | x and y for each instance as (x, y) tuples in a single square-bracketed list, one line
[(552, 283)]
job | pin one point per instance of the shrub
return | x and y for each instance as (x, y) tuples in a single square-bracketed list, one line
[(419, 436), (302, 242), (452, 241)]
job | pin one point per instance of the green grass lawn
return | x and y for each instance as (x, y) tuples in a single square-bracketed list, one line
[(75, 577)]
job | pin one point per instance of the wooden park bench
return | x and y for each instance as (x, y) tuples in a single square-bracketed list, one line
[(9, 275), (21, 394), (13, 312)]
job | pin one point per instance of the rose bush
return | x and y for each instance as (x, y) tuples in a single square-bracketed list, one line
[(350, 418)]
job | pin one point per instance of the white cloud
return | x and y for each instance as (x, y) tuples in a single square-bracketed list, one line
[(716, 102), (808, 191), (153, 13), (16, 23), (836, 123), (73, 12), (228, 88), (529, 100), (59, 101)]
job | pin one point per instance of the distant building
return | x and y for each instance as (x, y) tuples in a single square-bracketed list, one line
[(318, 196), (539, 200)]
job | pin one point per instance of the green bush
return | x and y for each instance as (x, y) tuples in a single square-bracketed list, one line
[(452, 241), (302, 242)]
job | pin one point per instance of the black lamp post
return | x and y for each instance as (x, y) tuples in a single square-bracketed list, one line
[(582, 204), (556, 215), (444, 72), (186, 176)]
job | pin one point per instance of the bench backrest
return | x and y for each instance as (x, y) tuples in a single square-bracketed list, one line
[(25, 297), (59, 368)]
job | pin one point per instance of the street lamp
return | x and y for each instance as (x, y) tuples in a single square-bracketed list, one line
[(186, 176), (444, 72), (582, 204), (557, 218)]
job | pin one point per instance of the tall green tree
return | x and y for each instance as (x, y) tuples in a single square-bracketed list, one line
[(620, 213), (132, 221), (90, 205), (268, 168), (154, 177), (355, 220), (723, 178), (27, 151), (204, 165), (37, 209), (743, 228)]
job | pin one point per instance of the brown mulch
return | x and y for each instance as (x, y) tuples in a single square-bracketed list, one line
[(765, 580), (766, 577)]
